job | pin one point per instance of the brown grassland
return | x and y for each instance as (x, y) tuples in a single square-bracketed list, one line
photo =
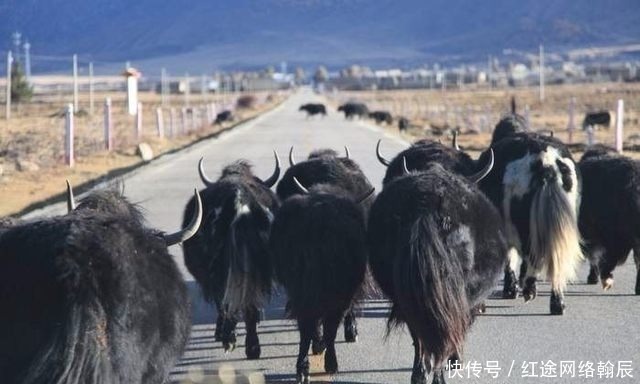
[(433, 113), (32, 166)]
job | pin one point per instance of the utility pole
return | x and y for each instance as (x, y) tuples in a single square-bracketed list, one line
[(541, 54), (8, 97), (75, 84), (91, 88), (17, 38), (27, 61), (187, 89)]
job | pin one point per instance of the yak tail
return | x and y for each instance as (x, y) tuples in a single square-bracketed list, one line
[(77, 351), (431, 293), (249, 277), (555, 237)]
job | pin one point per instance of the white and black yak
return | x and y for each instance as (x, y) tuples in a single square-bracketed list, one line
[(229, 256), (91, 297), (536, 186), (610, 212), (436, 248), (320, 257)]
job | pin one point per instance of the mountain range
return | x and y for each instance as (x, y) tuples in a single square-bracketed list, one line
[(200, 35)]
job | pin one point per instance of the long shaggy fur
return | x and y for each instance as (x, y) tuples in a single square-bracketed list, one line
[(554, 236), (92, 297)]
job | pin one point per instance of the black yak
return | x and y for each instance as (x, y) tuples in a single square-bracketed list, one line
[(436, 248), (509, 124), (421, 155), (353, 109), (610, 212), (403, 124), (381, 117), (313, 109), (536, 186), (229, 255), (594, 119), (91, 297), (324, 166), (319, 256), (223, 116)]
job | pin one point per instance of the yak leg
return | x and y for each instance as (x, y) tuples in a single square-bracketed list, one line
[(306, 328), (350, 326), (219, 322), (608, 263), (510, 290), (317, 345), (419, 371), (636, 258), (252, 343), (228, 334), (593, 275), (529, 289), (556, 305), (438, 376), (330, 327)]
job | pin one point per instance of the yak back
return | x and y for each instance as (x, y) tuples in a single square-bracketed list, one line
[(319, 251), (97, 287)]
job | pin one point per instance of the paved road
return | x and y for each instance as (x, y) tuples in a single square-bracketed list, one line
[(598, 327)]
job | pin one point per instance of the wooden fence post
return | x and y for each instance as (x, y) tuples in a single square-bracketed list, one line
[(139, 121), (571, 126), (159, 122), (68, 141), (108, 126), (620, 126)]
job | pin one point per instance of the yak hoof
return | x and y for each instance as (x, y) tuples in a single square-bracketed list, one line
[(330, 363), (557, 306), (529, 294), (253, 352), (302, 379), (479, 309), (438, 378), (317, 347), (350, 334), (510, 289), (607, 283), (229, 346), (638, 284), (418, 378), (592, 279)]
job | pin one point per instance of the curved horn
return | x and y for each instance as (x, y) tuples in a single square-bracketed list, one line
[(405, 169), (346, 150), (292, 161), (381, 159), (485, 171), (191, 229), (276, 172), (301, 187), (71, 203), (207, 181), (366, 196), (455, 140)]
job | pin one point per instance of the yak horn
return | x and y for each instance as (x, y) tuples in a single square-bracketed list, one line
[(207, 181), (381, 159), (71, 203), (405, 169), (300, 186), (485, 171), (455, 140), (346, 150), (292, 161), (276, 172), (191, 229), (366, 196)]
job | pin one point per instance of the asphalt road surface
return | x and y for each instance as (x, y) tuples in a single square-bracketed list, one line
[(598, 335)]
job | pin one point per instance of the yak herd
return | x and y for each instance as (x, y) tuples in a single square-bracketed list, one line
[(93, 296)]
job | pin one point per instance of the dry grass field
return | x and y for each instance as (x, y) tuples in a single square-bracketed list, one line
[(32, 154), (433, 113)]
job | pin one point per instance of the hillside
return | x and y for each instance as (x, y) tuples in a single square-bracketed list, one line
[(258, 32)]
